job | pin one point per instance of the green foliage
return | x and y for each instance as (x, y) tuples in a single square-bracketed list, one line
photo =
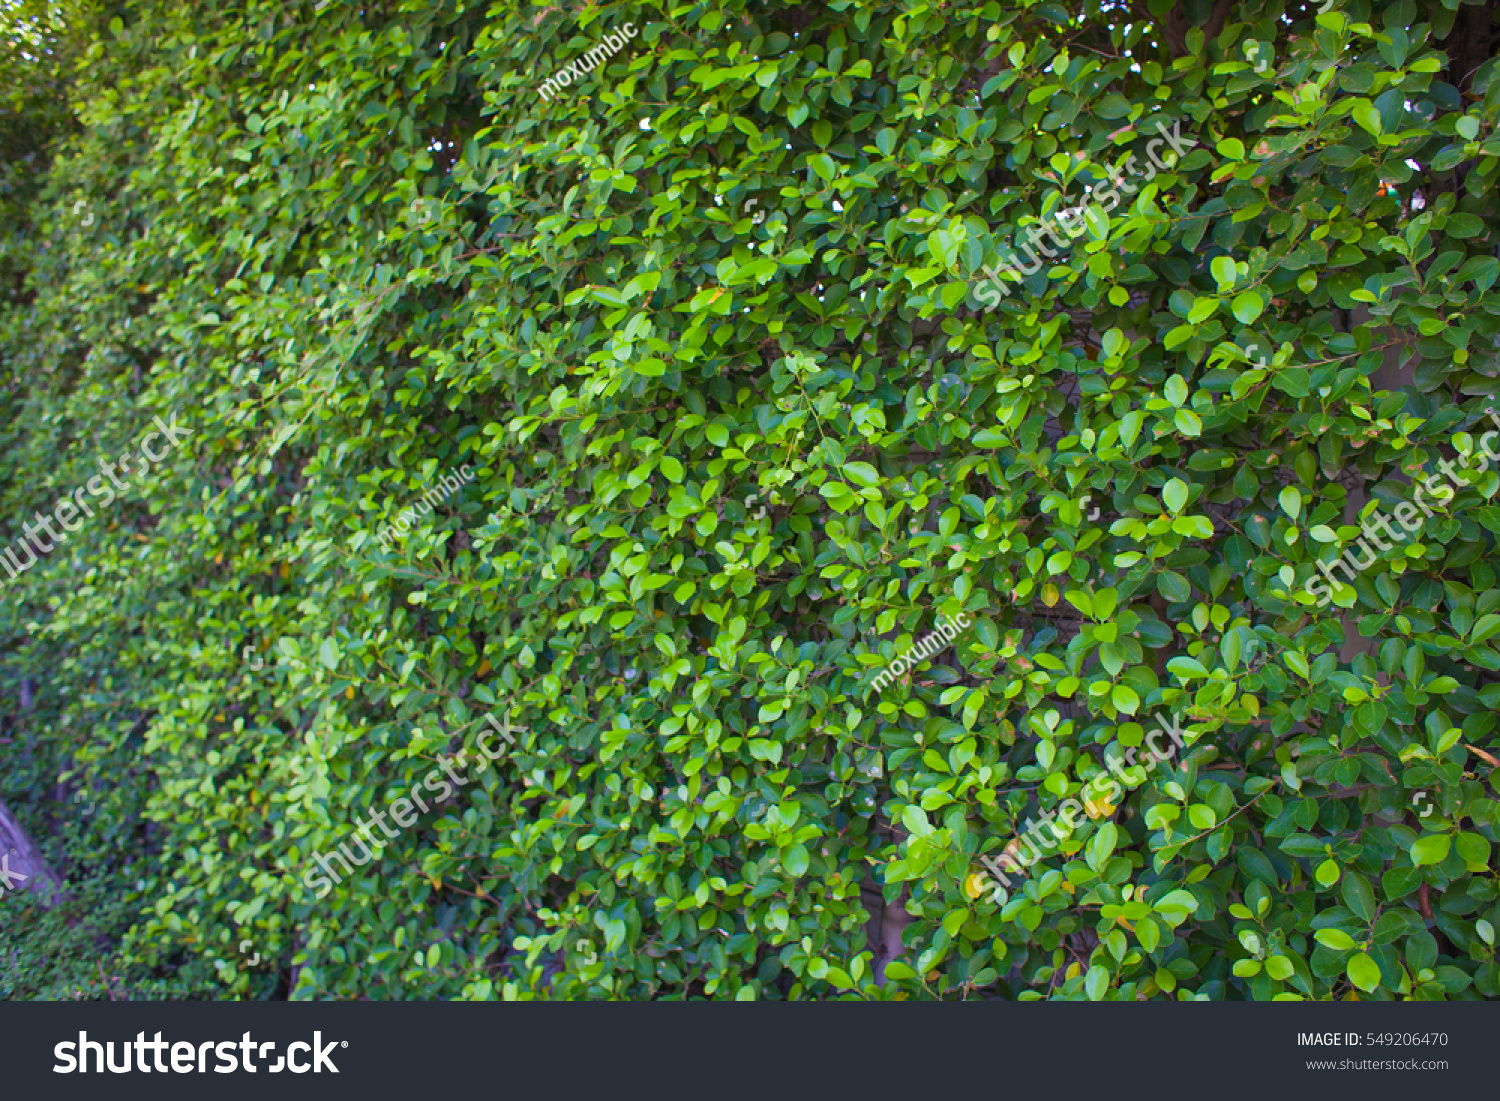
[(357, 250), (63, 954), (35, 54)]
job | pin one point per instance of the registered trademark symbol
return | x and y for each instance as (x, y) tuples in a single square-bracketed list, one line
[(344, 1042)]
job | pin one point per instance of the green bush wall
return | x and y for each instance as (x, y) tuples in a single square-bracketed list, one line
[(355, 249)]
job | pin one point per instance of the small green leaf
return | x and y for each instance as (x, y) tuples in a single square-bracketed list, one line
[(915, 821), (1364, 972), (1365, 113), (1328, 873), (1336, 939), (1430, 849), (1102, 844), (1124, 698), (1473, 849), (1174, 495), (838, 495), (1247, 307), (1179, 901), (1188, 423), (796, 860), (1485, 628), (1464, 226), (1291, 501), (1186, 668), (1223, 272), (1358, 896)]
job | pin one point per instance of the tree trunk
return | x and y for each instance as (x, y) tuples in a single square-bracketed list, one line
[(21, 858)]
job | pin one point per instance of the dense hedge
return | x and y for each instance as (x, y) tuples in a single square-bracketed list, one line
[(708, 327)]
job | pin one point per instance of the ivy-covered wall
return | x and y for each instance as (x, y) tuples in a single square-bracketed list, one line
[(776, 340)]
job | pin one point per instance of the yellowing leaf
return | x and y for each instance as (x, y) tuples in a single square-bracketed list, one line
[(1482, 753), (1049, 594)]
